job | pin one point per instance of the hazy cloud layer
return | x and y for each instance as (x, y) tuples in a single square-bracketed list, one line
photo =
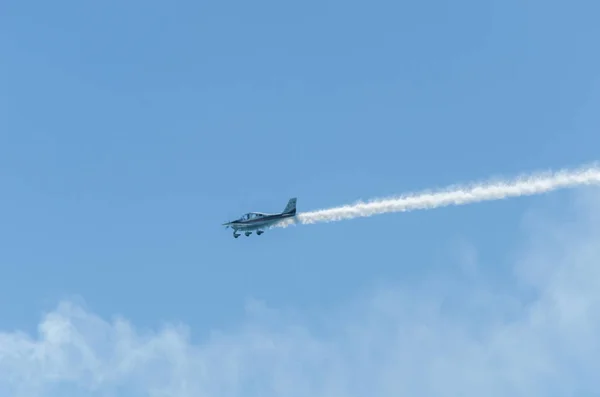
[(538, 337)]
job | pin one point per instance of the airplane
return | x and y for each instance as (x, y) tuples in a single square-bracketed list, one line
[(259, 220)]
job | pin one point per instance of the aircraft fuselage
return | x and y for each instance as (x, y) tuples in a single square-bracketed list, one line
[(258, 223)]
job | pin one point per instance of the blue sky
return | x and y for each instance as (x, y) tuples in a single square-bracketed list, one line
[(129, 131)]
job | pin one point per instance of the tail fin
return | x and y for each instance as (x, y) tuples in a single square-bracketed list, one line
[(290, 208)]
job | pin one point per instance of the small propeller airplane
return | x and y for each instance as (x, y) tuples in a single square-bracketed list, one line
[(259, 220)]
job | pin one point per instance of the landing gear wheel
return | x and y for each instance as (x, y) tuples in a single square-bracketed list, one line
[(236, 235), (247, 233), (259, 232)]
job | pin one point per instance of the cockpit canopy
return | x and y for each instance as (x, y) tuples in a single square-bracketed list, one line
[(251, 215)]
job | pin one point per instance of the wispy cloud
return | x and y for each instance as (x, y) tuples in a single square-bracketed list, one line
[(539, 337)]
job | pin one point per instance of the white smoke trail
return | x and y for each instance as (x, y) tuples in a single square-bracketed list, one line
[(525, 185)]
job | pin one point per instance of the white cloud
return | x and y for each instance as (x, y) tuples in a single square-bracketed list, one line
[(538, 338)]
